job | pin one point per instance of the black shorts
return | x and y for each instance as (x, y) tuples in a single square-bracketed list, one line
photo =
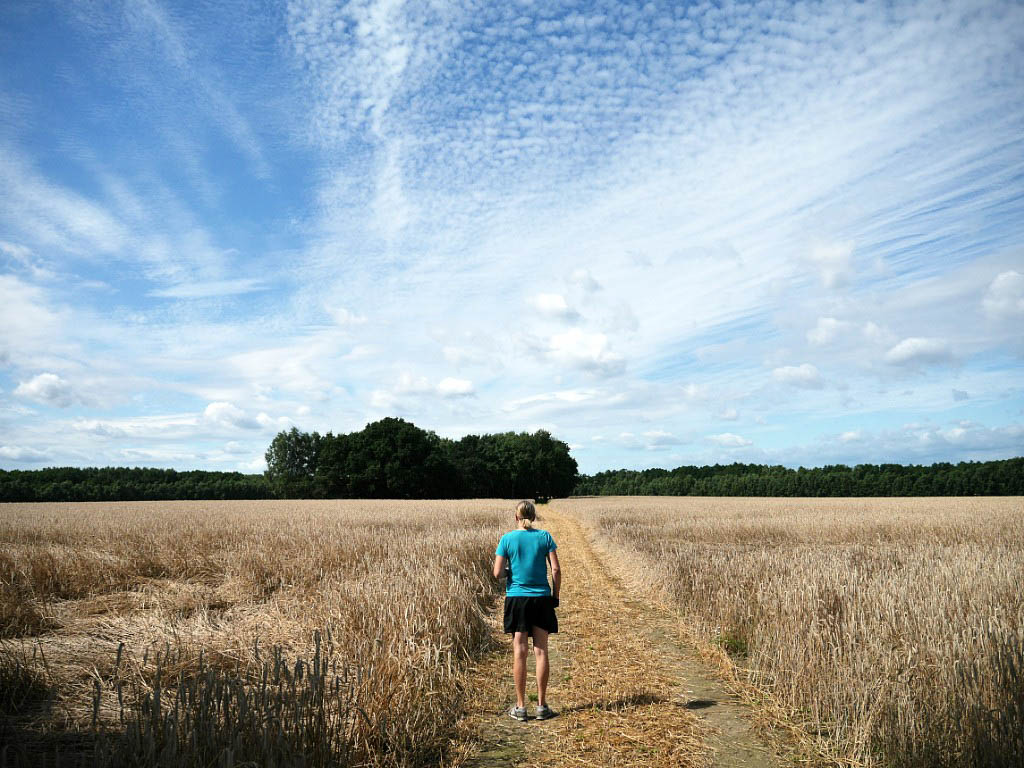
[(523, 613)]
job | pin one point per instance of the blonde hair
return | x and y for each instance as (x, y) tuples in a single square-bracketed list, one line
[(526, 513)]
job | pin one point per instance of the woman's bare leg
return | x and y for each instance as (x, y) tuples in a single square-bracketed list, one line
[(520, 647), (540, 651)]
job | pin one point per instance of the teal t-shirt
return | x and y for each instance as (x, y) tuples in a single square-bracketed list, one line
[(526, 552)]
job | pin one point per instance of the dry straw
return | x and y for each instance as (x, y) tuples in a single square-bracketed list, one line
[(291, 633), (891, 632)]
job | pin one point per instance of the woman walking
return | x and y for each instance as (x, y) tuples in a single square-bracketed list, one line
[(523, 556)]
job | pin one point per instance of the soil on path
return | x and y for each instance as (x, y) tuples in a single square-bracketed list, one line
[(627, 691)]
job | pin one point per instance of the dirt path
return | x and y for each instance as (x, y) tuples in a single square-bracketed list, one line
[(628, 693)]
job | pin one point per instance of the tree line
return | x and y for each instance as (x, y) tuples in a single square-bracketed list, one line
[(128, 484), (395, 459), (968, 478)]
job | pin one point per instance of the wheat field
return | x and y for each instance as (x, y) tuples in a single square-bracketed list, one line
[(875, 632), (303, 633), (885, 631)]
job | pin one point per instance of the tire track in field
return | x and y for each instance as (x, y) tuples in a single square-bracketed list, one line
[(628, 694)]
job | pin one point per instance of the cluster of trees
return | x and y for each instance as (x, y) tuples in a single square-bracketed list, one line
[(987, 478), (395, 459), (128, 484)]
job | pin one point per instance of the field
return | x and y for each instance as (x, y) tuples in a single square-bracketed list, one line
[(212, 606), (887, 631), (861, 631)]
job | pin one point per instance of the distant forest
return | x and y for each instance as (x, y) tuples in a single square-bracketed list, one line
[(985, 478), (128, 484), (393, 458)]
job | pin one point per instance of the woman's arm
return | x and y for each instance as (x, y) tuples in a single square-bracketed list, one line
[(556, 573), (499, 566)]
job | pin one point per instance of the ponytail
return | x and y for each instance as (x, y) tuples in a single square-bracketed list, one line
[(526, 513)]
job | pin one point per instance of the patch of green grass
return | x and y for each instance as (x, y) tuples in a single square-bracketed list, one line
[(734, 642)]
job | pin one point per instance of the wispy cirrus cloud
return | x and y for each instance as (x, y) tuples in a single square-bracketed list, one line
[(615, 219)]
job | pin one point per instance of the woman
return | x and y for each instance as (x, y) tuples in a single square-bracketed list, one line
[(523, 556)]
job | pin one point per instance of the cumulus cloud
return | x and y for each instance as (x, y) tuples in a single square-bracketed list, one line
[(20, 453), (805, 375), (729, 414), (408, 388), (553, 305), (826, 331), (1005, 295), (729, 440), (659, 438), (919, 350), (589, 351), (452, 387), (229, 416), (47, 388), (833, 263), (851, 436)]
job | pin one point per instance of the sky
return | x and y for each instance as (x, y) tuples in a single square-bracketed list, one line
[(668, 233)]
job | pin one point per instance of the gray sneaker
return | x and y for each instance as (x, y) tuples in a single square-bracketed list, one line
[(544, 712), (517, 713)]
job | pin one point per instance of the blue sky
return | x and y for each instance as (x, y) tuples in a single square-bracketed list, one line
[(668, 233)]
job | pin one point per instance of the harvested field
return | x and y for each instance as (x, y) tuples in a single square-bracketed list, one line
[(334, 631), (883, 631)]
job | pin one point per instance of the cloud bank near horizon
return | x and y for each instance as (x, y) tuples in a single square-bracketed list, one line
[(668, 234)]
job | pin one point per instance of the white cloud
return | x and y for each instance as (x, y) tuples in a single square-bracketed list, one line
[(553, 305), (1005, 295), (916, 349), (345, 318), (729, 440), (826, 331), (833, 263), (23, 257), (49, 389), (410, 388), (268, 422), (590, 351), (229, 416), (875, 333), (452, 387), (851, 436), (20, 453), (729, 414), (99, 428), (804, 375), (659, 438), (695, 392)]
